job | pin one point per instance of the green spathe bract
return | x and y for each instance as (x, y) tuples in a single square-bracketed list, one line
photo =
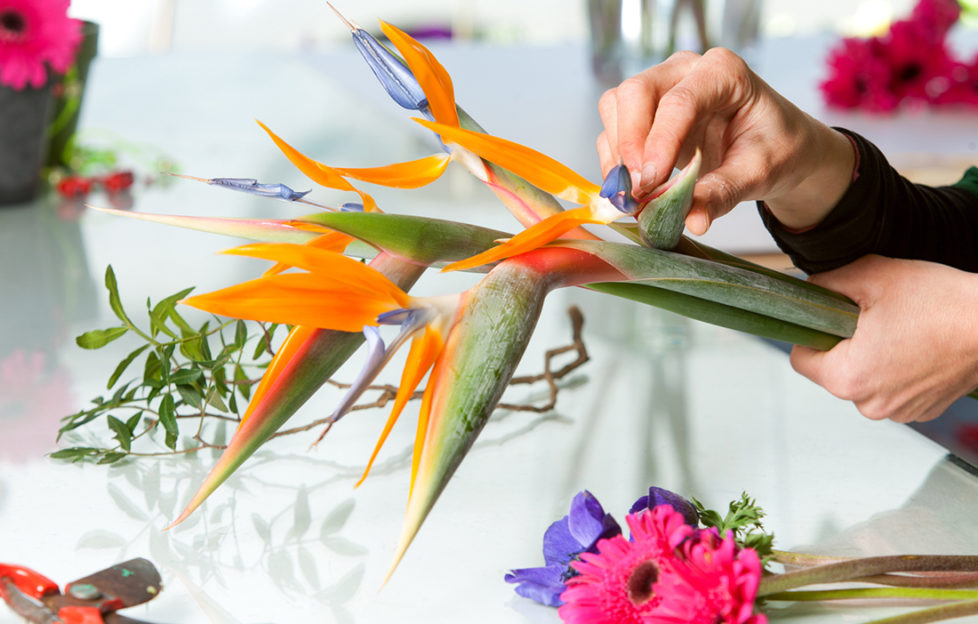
[(661, 222), (480, 356)]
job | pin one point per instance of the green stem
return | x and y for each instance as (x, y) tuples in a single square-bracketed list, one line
[(932, 614), (867, 566), (913, 593)]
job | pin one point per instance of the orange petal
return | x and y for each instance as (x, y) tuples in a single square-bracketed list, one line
[(536, 168), (297, 299), (294, 342), (423, 416), (335, 271), (529, 239), (411, 174), (322, 174), (434, 80), (335, 242), (424, 351)]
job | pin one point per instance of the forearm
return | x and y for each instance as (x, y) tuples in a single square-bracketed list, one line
[(883, 213), (824, 172)]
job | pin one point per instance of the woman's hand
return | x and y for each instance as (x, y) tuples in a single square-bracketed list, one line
[(756, 144), (915, 349)]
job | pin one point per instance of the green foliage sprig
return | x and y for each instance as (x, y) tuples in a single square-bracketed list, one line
[(206, 375), (743, 517), (187, 373)]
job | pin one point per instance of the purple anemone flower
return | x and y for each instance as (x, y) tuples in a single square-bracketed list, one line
[(659, 496), (579, 531)]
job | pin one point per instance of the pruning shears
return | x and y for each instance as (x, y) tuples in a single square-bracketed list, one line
[(94, 599)]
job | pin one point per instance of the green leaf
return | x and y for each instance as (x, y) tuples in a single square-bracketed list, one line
[(111, 457), (123, 365), (190, 395), (133, 421), (163, 310), (75, 453), (122, 433), (240, 334), (153, 370), (98, 338), (180, 322), (168, 418), (241, 381), (114, 301), (185, 376)]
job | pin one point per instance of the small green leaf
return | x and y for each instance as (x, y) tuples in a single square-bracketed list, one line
[(241, 381), (185, 376), (123, 365), (153, 369), (168, 418), (111, 457), (191, 347), (163, 310), (179, 321), (114, 301), (133, 421), (240, 334), (190, 395), (98, 338), (122, 433), (75, 453)]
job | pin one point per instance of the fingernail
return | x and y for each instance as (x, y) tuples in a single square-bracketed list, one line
[(648, 176), (636, 180)]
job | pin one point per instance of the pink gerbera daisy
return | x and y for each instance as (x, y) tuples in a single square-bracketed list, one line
[(713, 580), (615, 585), (35, 35)]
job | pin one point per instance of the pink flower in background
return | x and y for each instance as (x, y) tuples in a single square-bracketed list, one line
[(939, 14), (859, 77), (35, 35), (910, 64), (962, 85), (918, 58)]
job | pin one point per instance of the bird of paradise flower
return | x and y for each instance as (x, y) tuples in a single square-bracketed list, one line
[(336, 302)]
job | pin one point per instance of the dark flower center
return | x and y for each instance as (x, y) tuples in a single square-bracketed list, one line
[(910, 71), (12, 22), (640, 582)]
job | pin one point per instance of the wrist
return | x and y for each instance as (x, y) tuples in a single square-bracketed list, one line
[(827, 170)]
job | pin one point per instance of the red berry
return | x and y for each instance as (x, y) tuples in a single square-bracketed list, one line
[(118, 181), (74, 186)]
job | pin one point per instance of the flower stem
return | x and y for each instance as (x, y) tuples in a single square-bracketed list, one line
[(913, 593), (932, 614), (867, 566)]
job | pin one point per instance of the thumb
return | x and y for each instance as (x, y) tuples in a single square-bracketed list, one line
[(822, 367), (715, 195)]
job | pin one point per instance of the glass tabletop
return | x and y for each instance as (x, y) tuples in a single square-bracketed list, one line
[(662, 400)]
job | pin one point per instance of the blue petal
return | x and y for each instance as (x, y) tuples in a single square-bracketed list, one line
[(351, 207), (375, 363), (661, 496), (588, 522), (392, 73), (617, 188), (396, 317), (559, 545), (543, 585), (250, 185)]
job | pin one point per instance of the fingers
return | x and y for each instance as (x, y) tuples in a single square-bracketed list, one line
[(627, 112), (699, 106)]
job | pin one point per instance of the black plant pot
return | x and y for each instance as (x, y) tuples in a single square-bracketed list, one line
[(24, 118)]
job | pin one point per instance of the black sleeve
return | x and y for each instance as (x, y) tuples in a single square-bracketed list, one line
[(883, 213)]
